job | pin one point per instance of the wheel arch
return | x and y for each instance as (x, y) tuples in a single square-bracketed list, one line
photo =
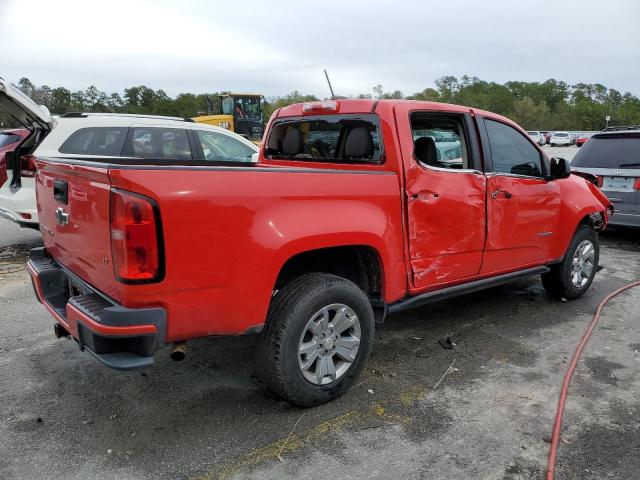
[(360, 262)]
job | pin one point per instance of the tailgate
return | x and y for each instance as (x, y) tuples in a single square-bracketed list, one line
[(73, 207)]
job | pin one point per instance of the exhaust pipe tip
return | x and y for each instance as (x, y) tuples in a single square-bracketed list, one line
[(178, 352)]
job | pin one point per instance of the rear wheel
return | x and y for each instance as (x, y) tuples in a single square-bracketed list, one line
[(573, 276), (317, 339)]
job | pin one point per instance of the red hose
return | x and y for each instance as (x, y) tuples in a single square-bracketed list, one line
[(557, 426)]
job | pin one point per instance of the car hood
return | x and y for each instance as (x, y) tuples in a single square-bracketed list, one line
[(22, 108)]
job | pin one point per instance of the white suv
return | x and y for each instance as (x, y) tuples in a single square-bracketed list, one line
[(100, 136)]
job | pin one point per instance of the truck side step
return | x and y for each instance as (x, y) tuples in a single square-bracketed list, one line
[(463, 289)]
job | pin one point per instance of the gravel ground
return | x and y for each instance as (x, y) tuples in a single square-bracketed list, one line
[(64, 416)]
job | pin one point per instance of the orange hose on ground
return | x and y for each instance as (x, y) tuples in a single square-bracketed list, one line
[(557, 426)]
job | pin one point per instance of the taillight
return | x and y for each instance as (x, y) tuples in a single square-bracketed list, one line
[(636, 184), (136, 238), (600, 179), (27, 166)]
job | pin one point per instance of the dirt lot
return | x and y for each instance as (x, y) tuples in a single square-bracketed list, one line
[(64, 416)]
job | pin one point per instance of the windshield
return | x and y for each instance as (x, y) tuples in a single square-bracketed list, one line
[(7, 138), (326, 138), (533, 134), (247, 108), (609, 151), (560, 134)]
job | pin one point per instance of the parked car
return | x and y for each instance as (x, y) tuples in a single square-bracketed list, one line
[(547, 136), (582, 139), (537, 137), (560, 138), (17, 186), (349, 215), (9, 141), (100, 135), (613, 158)]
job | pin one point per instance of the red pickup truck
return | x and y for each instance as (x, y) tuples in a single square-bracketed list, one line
[(355, 210)]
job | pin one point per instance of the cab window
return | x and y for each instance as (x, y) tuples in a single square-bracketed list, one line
[(511, 152), (218, 147), (326, 138), (439, 140)]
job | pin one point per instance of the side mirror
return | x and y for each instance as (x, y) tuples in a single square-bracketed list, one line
[(560, 168), (255, 157)]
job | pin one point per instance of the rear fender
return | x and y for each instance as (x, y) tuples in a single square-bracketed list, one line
[(288, 230)]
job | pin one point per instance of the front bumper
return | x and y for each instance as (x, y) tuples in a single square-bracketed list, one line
[(121, 338)]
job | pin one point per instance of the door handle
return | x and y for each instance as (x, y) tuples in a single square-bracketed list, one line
[(499, 193), (423, 195)]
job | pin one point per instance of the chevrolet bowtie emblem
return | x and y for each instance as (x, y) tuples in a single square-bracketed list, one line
[(62, 216)]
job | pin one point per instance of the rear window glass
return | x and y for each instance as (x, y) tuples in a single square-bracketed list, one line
[(560, 134), (161, 143), (326, 138), (107, 141), (609, 151), (8, 139)]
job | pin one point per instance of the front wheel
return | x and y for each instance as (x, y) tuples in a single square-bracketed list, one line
[(317, 339), (572, 277)]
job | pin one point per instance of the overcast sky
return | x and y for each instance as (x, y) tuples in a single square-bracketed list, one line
[(274, 47)]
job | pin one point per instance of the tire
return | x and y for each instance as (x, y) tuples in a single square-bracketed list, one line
[(560, 281), (280, 364)]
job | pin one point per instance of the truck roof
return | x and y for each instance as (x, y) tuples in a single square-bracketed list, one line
[(362, 106)]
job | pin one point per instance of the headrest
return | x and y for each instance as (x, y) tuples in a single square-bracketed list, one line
[(359, 143), (293, 142), (425, 151)]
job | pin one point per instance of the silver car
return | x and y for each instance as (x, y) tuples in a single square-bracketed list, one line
[(614, 159), (537, 137)]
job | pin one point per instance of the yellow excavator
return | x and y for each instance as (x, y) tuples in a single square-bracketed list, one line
[(241, 113)]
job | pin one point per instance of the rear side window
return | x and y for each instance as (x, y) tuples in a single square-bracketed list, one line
[(511, 152), (8, 139), (218, 147), (439, 140), (161, 143), (107, 141), (609, 151), (327, 138)]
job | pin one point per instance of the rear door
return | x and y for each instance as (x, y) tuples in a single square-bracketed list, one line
[(445, 196), (522, 207)]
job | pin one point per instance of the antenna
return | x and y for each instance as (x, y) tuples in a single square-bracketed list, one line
[(329, 82)]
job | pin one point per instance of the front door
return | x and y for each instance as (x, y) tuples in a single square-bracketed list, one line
[(522, 207), (445, 192)]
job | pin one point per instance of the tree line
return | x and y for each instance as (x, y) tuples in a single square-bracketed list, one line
[(550, 105)]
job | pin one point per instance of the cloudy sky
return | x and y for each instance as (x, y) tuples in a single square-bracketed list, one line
[(279, 46)]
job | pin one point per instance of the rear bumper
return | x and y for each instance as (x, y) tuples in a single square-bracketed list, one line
[(14, 217), (625, 219), (121, 338)]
